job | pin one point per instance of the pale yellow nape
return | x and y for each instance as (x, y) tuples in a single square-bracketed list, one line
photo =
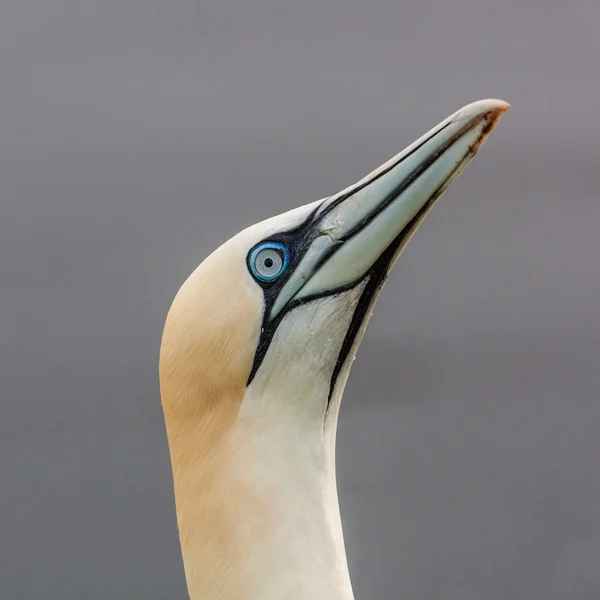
[(208, 347), (207, 351)]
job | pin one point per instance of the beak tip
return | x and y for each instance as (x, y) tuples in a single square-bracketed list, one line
[(497, 103), (492, 108), (497, 108)]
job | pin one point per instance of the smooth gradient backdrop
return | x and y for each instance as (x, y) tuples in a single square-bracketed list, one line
[(136, 136)]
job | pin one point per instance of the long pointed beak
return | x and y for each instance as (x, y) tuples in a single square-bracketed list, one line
[(354, 228)]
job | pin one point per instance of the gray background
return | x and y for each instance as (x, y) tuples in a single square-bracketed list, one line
[(137, 136)]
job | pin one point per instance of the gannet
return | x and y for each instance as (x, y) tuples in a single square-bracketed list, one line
[(255, 355)]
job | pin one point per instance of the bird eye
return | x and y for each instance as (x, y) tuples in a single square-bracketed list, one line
[(268, 261)]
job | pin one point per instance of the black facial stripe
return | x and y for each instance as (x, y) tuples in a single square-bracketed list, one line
[(377, 274), (298, 240)]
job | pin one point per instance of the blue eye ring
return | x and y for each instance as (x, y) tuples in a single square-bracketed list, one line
[(265, 277)]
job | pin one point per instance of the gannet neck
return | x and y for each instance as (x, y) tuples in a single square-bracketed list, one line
[(260, 519), (254, 469)]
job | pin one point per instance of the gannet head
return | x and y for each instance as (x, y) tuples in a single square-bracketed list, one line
[(255, 355)]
